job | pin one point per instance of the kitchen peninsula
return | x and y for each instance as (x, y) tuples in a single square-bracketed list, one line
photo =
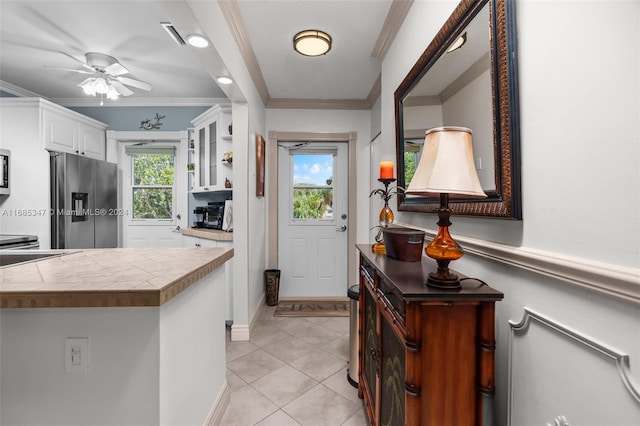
[(152, 320)]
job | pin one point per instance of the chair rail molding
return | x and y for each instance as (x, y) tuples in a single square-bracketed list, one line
[(611, 280)]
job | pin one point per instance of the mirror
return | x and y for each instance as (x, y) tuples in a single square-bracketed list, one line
[(474, 85)]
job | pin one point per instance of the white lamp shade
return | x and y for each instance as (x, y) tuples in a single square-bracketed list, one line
[(446, 165)]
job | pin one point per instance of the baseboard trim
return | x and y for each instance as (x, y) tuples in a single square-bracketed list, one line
[(611, 280), (240, 332), (220, 405)]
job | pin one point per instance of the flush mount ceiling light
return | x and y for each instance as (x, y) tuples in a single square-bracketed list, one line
[(312, 43), (460, 41), (224, 80), (197, 40)]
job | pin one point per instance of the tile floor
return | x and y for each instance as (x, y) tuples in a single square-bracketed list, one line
[(293, 371)]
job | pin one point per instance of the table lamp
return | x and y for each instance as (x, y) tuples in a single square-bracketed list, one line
[(446, 167)]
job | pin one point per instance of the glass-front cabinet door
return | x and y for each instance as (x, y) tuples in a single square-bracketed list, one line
[(213, 150)]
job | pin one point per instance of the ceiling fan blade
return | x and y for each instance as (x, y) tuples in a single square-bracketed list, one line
[(69, 69), (121, 88), (84, 64), (135, 83), (116, 69), (83, 82)]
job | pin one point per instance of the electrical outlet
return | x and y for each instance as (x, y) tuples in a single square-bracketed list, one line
[(76, 355)]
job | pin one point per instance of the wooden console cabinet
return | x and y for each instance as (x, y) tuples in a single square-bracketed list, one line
[(426, 355)]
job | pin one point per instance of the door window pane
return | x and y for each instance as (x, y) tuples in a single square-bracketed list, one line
[(152, 203), (313, 186), (153, 186)]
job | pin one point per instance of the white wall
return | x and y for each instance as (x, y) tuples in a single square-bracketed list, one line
[(249, 233), (26, 209), (579, 75), (144, 365)]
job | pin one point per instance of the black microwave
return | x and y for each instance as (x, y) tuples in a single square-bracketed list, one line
[(5, 157), (213, 215)]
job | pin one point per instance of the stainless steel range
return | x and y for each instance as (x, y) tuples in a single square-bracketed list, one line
[(9, 241)]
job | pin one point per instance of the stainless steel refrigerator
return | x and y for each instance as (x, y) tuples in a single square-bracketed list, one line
[(84, 194)]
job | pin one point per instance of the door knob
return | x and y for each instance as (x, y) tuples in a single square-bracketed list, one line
[(342, 228)]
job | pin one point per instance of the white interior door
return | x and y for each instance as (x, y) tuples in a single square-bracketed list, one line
[(150, 194), (312, 219)]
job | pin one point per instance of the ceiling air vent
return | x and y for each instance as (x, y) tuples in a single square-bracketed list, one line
[(175, 35)]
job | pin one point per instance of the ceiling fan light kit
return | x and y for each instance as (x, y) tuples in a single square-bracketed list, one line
[(107, 77), (312, 43)]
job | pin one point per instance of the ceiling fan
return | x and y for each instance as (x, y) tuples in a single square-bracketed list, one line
[(107, 76)]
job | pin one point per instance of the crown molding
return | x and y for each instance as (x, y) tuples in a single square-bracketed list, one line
[(18, 91), (392, 23), (233, 16), (291, 103), (481, 66), (139, 102), (412, 101)]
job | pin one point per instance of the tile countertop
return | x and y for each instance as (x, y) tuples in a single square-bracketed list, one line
[(108, 277), (209, 234)]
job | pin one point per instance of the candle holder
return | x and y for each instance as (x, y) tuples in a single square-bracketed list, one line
[(386, 214)]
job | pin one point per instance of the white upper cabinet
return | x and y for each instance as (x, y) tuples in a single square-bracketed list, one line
[(64, 130), (212, 150)]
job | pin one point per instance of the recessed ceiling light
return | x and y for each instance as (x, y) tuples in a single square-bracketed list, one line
[(312, 42), (196, 40), (224, 80)]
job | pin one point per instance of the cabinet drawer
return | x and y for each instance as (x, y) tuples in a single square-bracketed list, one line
[(392, 298)]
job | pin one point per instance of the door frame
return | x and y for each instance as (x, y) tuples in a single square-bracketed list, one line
[(115, 138), (272, 191)]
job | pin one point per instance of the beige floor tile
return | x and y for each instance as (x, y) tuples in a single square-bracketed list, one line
[(246, 407), (319, 364), (281, 367), (305, 329), (255, 365), (279, 418), (239, 349), (339, 347), (338, 324), (321, 406), (283, 385), (234, 381), (289, 349), (264, 335), (338, 383), (358, 419)]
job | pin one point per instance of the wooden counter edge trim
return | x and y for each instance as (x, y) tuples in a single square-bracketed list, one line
[(181, 284), (110, 298), (213, 235)]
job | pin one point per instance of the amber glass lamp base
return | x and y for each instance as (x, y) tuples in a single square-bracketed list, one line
[(443, 249)]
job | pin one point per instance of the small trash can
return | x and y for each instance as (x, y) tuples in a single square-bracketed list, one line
[(272, 282), (352, 372)]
